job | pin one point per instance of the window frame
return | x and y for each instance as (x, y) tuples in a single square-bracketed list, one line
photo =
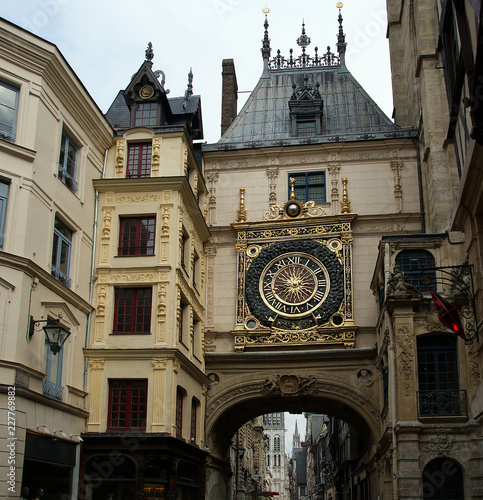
[(128, 404), (59, 240), (68, 178), (140, 119), (194, 419), (3, 209), (412, 262), (52, 385), (141, 167), (119, 294), (307, 185), (5, 134), (438, 353), (125, 245), (179, 411)]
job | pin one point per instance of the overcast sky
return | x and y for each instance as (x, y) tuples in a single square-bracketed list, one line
[(104, 41)]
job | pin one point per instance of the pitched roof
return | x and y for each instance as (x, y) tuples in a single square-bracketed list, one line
[(348, 110)]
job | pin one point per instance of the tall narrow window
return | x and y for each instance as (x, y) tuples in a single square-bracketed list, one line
[(139, 160), (127, 404), (309, 186), (439, 393), (132, 310), (4, 188), (194, 414), (183, 249), (196, 261), (61, 252), (8, 111), (52, 383), (179, 412), (276, 443), (68, 162), (136, 236)]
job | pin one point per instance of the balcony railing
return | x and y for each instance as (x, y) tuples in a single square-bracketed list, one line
[(441, 403), (58, 274), (52, 390), (67, 179)]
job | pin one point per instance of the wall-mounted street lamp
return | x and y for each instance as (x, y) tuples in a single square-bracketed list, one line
[(55, 334)]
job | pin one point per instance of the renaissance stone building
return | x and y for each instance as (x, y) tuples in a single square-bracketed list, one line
[(351, 253)]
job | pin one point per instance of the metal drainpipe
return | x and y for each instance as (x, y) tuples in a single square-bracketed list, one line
[(391, 362), (93, 262)]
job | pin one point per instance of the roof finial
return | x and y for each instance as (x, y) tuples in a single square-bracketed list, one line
[(266, 49), (189, 91), (341, 43), (149, 54)]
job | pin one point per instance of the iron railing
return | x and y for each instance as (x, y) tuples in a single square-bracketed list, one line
[(51, 389), (450, 403)]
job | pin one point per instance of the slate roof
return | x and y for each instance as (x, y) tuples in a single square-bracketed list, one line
[(348, 111)]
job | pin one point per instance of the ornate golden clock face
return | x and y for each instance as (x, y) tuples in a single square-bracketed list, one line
[(294, 285), (146, 92)]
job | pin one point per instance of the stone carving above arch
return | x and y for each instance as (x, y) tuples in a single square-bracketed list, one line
[(290, 385)]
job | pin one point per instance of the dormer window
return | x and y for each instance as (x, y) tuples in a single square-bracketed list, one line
[(305, 128), (305, 106), (146, 114)]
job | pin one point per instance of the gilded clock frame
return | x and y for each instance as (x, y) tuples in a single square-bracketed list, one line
[(332, 231)]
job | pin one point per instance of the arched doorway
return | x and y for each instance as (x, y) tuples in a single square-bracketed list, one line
[(443, 479)]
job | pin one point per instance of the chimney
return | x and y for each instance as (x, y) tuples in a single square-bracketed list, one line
[(229, 94)]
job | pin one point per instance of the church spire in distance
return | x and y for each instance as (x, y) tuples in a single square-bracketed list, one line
[(296, 437)]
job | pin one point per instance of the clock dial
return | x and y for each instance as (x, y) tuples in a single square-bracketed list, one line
[(294, 285)]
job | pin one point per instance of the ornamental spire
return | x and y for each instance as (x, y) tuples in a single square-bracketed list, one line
[(266, 49), (341, 43)]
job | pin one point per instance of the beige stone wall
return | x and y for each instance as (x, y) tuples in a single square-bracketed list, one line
[(382, 189)]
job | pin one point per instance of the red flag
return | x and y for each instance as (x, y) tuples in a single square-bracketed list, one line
[(448, 314)]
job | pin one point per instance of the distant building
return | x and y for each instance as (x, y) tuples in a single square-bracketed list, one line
[(275, 456)]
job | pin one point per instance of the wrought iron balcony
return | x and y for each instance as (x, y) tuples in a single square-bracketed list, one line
[(67, 179), (450, 403), (58, 274), (51, 390)]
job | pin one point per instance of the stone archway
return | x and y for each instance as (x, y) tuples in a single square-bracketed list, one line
[(342, 383)]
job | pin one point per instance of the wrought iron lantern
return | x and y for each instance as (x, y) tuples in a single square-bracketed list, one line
[(55, 333)]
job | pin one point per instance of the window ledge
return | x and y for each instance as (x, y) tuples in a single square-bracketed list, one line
[(19, 151), (443, 418), (130, 333)]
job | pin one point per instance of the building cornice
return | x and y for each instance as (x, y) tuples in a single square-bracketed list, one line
[(35, 271), (36, 55)]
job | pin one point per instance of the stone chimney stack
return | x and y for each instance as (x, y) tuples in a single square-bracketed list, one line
[(229, 94)]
